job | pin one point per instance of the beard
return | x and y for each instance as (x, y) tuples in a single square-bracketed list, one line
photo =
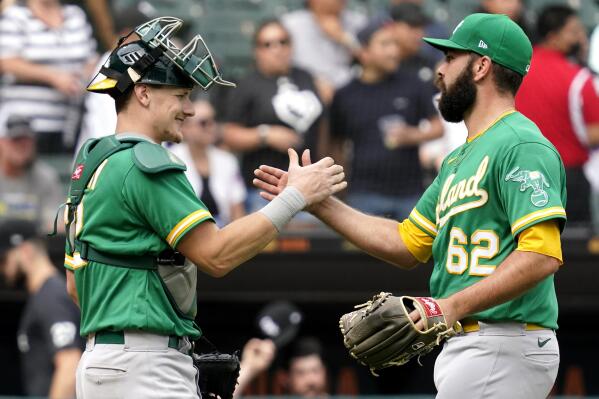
[(459, 98)]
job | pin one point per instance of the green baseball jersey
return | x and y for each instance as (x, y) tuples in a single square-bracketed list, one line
[(128, 212), (489, 190)]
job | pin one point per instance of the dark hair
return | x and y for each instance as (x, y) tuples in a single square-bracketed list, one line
[(121, 101), (264, 24), (306, 346), (506, 80), (552, 19)]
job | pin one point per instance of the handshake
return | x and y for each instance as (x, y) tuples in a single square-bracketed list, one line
[(299, 187)]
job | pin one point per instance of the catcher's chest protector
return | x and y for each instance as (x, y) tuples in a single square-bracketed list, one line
[(178, 276)]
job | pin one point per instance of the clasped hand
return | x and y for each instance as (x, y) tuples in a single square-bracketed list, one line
[(316, 181)]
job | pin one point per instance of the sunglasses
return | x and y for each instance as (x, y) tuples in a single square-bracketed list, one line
[(274, 43)]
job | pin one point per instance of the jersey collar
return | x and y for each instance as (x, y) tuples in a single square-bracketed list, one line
[(500, 117)]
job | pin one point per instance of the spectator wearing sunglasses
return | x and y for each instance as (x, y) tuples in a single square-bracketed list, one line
[(275, 107), (213, 173)]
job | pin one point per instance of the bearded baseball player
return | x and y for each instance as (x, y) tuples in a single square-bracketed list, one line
[(491, 220), (137, 233)]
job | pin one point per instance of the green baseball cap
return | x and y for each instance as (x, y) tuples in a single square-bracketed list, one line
[(493, 35)]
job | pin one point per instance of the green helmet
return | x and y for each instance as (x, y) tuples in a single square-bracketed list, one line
[(155, 59)]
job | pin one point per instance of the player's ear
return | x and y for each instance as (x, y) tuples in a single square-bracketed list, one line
[(142, 93), (482, 68)]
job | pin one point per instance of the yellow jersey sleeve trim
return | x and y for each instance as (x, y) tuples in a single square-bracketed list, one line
[(537, 215), (418, 242), (422, 222), (542, 238), (184, 224), (74, 262)]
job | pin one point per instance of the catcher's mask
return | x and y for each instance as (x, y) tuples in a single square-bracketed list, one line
[(155, 59)]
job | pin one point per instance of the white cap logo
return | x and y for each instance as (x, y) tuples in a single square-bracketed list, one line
[(457, 27)]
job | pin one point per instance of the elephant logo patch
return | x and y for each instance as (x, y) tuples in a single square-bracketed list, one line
[(531, 179)]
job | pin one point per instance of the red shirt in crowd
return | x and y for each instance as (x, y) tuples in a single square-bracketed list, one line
[(559, 96)]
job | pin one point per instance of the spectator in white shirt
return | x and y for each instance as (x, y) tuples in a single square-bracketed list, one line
[(47, 51), (213, 173)]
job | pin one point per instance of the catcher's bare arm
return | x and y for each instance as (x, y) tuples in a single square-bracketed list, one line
[(222, 250), (218, 251)]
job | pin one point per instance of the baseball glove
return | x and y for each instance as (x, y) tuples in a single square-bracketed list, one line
[(381, 334), (218, 374)]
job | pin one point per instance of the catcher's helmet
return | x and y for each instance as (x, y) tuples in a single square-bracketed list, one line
[(155, 59)]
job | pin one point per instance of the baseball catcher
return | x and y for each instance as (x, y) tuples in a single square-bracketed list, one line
[(383, 332)]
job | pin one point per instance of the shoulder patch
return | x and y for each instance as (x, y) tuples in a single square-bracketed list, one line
[(63, 333), (154, 158), (531, 179)]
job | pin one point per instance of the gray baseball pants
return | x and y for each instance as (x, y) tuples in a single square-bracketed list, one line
[(501, 361), (144, 367)]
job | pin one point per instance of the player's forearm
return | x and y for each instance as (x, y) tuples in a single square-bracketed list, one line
[(26, 71), (243, 239), (217, 252), (377, 236), (513, 277)]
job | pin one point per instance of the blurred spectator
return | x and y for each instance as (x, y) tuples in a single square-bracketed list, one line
[(306, 375), (409, 22), (100, 114), (307, 372), (213, 173), (559, 96), (432, 153), (385, 113), (45, 54), (432, 28), (324, 40), (29, 188), (274, 108), (257, 356), (6, 3), (99, 11), (48, 336), (410, 25), (513, 9)]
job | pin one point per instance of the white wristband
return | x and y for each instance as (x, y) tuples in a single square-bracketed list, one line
[(284, 207)]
